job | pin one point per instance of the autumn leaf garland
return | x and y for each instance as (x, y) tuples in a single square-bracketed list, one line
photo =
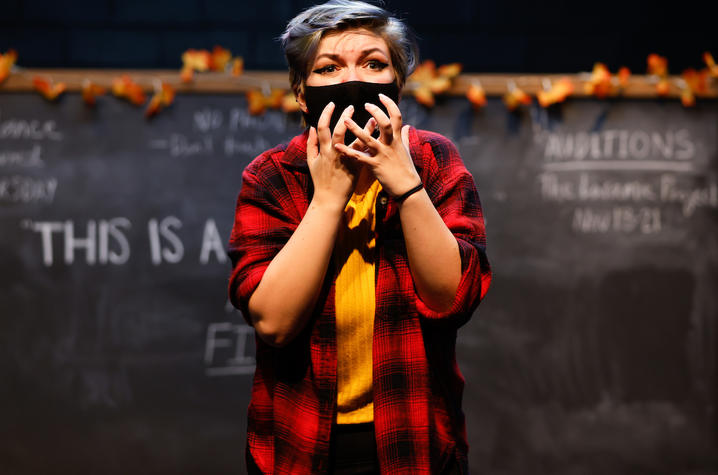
[(427, 82)]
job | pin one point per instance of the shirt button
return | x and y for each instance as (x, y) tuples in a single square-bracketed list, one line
[(383, 200)]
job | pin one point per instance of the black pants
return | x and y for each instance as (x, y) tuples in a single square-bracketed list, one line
[(353, 450)]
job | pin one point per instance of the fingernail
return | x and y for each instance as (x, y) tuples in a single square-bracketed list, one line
[(382, 95)]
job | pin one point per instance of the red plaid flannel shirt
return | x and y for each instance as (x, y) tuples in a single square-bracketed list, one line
[(417, 385)]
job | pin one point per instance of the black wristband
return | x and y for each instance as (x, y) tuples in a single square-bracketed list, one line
[(400, 199)]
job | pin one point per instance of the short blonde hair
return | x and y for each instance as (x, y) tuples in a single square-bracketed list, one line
[(301, 38)]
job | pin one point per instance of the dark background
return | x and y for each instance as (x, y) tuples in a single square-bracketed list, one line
[(594, 353), (486, 36)]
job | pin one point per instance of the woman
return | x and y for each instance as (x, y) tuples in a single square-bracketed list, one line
[(356, 264)]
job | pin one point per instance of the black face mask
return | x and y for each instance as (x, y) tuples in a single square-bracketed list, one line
[(355, 93)]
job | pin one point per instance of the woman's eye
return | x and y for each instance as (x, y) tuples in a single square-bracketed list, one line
[(325, 69), (378, 65)]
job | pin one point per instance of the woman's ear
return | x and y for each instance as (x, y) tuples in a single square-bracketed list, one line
[(299, 94)]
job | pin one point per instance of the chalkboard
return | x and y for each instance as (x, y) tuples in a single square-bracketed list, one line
[(594, 351)]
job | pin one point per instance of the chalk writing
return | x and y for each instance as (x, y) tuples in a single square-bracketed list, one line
[(104, 242), (620, 144), (22, 189), (225, 349), (180, 146), (29, 129), (22, 158), (665, 189), (212, 243), (165, 245), (618, 166), (253, 147), (240, 118), (207, 119), (690, 198), (604, 190), (625, 219)]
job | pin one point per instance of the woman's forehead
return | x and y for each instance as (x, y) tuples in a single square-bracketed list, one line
[(352, 40)]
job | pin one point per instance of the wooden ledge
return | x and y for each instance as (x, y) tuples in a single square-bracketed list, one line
[(639, 86)]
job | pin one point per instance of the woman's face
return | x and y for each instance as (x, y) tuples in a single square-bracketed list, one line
[(350, 55)]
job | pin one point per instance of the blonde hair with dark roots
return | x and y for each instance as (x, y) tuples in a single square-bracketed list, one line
[(301, 38)]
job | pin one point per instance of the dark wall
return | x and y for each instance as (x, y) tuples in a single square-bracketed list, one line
[(487, 36)]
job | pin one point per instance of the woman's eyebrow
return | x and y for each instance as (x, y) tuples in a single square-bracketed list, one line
[(369, 51), (333, 57), (338, 58)]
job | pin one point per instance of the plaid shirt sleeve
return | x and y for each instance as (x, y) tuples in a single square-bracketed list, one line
[(451, 188), (263, 223)]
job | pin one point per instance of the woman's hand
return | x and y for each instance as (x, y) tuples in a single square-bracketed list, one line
[(333, 174), (388, 156), (432, 249)]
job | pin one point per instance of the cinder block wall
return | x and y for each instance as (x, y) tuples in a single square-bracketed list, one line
[(485, 35)]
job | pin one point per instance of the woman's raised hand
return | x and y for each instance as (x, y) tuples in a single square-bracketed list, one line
[(333, 175), (388, 156)]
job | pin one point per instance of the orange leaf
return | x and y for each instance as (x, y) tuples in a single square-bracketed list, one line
[(427, 80), (7, 61), (426, 71), (90, 91), (710, 62), (161, 99), (697, 81), (476, 95), (657, 65), (219, 58), (450, 70), (663, 87), (49, 90), (197, 60), (275, 99), (154, 106), (168, 94), (623, 75), (125, 88), (187, 74), (290, 104), (258, 102), (439, 84), (515, 97), (688, 99), (559, 91), (424, 96), (255, 100), (600, 83), (237, 66)]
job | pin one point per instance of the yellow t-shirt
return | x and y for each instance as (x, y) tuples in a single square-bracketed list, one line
[(355, 304)]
